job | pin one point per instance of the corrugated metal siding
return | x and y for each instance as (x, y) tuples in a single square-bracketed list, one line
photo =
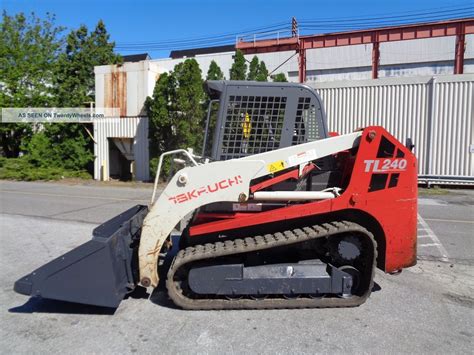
[(452, 133), (127, 127), (436, 112)]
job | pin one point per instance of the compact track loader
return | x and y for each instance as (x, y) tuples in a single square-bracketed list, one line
[(275, 213)]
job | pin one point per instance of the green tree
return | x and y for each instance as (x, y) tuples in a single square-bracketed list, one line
[(257, 70), (29, 48), (176, 111), (74, 86), (239, 67), (159, 109), (280, 77), (253, 68), (190, 98), (69, 146), (262, 74), (214, 72), (74, 79)]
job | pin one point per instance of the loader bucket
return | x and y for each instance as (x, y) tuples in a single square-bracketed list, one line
[(99, 272)]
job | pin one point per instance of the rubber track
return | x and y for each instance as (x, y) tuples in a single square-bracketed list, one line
[(258, 243)]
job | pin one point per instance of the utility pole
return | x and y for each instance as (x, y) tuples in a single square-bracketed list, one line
[(300, 50), (294, 27)]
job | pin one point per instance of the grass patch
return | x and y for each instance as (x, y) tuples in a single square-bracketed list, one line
[(22, 169)]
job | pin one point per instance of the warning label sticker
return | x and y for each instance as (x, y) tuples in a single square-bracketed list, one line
[(302, 157), (276, 166)]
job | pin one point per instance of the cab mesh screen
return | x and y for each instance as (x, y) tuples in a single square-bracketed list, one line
[(253, 125), (306, 127)]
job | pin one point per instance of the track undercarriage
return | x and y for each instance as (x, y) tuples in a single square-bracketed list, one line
[(324, 265)]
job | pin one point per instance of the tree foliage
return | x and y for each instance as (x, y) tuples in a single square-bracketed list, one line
[(159, 108), (262, 72), (74, 85), (239, 67), (74, 79), (253, 68), (67, 146), (280, 77), (39, 68), (29, 49), (175, 111), (214, 72), (257, 70), (190, 98)]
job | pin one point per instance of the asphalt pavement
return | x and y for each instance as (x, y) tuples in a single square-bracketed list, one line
[(428, 308)]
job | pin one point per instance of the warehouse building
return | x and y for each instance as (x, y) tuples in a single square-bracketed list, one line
[(416, 80)]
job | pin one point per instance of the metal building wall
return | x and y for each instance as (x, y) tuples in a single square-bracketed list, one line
[(126, 127), (452, 138), (137, 79), (436, 112), (431, 56)]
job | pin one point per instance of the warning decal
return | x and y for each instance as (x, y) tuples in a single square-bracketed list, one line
[(276, 166), (302, 157), (246, 126)]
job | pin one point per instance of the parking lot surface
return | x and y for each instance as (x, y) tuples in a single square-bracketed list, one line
[(428, 308)]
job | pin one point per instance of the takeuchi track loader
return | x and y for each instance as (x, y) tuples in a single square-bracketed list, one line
[(275, 213)]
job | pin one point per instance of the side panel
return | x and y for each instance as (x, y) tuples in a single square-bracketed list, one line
[(384, 184)]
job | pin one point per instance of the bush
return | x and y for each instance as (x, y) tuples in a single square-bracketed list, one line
[(167, 169), (22, 169), (38, 151), (59, 145)]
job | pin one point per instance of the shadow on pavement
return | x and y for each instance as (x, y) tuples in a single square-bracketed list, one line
[(160, 298), (376, 287), (41, 305), (138, 293)]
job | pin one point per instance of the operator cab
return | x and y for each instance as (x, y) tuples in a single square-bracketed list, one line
[(254, 117)]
